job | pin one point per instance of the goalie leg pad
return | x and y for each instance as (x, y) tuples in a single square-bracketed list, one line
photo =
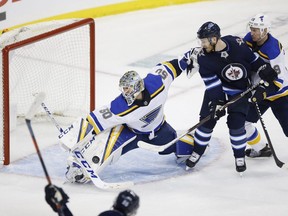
[(75, 172), (184, 148), (80, 132)]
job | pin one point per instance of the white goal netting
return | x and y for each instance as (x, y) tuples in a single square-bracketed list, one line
[(56, 58)]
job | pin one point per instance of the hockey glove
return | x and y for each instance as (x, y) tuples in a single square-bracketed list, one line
[(214, 109), (57, 199), (190, 58), (267, 73), (259, 94)]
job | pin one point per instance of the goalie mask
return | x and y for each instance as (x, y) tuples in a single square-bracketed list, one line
[(131, 85), (261, 22)]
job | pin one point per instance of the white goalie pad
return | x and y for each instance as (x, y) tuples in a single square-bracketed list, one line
[(97, 153), (77, 134)]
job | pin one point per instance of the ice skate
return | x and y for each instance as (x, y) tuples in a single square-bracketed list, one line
[(240, 165), (192, 160), (265, 152)]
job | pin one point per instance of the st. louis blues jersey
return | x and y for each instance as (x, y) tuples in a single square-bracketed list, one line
[(228, 70), (272, 52), (146, 118)]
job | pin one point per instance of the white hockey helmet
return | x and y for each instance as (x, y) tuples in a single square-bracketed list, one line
[(131, 85), (260, 21)]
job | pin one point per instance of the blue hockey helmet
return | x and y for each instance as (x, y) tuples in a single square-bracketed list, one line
[(208, 30), (127, 202)]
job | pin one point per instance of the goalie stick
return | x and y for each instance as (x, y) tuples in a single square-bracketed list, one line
[(278, 162), (160, 148), (97, 181)]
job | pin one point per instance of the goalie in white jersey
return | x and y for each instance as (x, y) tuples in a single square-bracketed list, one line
[(136, 114)]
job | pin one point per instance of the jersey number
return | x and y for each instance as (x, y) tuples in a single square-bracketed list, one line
[(162, 73), (106, 113), (277, 69)]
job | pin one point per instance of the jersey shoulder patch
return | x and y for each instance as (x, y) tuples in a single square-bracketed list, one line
[(154, 84), (271, 48), (120, 107)]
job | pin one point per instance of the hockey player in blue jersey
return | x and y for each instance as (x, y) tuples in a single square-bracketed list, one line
[(126, 204), (136, 114), (270, 50), (225, 65)]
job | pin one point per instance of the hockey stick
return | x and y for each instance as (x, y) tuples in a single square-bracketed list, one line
[(97, 181), (61, 208), (160, 148), (30, 114), (279, 163)]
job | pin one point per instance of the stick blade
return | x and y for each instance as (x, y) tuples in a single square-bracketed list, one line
[(39, 98), (151, 147)]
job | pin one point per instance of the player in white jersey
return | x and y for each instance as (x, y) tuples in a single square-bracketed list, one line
[(136, 114), (260, 40)]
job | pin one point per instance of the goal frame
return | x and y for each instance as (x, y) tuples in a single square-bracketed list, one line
[(5, 69)]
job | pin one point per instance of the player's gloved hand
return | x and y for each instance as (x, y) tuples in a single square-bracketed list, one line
[(267, 73), (190, 58), (259, 94), (214, 109), (57, 199)]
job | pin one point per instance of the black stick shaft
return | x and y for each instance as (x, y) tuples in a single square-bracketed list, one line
[(277, 161), (28, 122)]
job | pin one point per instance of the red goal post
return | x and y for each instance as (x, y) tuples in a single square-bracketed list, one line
[(55, 57)]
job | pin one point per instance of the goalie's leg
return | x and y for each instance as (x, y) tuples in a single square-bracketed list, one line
[(75, 172), (184, 148), (79, 133)]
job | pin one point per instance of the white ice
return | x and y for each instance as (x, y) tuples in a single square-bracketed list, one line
[(139, 40)]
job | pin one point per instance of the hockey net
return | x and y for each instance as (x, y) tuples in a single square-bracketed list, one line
[(55, 57)]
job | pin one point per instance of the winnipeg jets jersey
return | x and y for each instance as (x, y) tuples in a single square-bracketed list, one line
[(272, 52), (146, 118), (228, 70)]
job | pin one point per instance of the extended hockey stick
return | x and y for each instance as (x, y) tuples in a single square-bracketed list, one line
[(97, 181), (160, 148), (30, 114), (278, 162), (62, 209)]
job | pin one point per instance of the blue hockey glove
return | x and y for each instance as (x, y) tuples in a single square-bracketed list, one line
[(214, 109)]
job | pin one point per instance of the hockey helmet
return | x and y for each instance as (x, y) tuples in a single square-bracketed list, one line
[(131, 85), (208, 30), (261, 21), (127, 202)]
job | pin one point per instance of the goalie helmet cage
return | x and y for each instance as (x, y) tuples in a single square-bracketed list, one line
[(55, 57)]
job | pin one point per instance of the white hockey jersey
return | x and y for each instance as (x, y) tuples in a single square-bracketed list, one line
[(144, 119), (272, 52)]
